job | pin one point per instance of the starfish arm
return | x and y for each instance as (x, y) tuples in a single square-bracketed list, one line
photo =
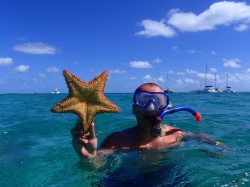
[(65, 105), (85, 99)]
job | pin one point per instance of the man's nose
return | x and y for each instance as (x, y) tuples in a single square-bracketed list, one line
[(151, 107)]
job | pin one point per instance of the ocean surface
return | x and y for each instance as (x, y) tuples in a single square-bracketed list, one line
[(36, 150)]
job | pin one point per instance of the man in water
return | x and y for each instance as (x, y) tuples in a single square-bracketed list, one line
[(148, 102)]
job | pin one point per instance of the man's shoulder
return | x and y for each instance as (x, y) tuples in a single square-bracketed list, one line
[(117, 134), (167, 128), (122, 132), (115, 138), (172, 130)]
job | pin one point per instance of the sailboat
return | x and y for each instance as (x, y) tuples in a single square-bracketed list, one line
[(56, 91), (207, 89), (216, 89), (228, 88), (168, 90)]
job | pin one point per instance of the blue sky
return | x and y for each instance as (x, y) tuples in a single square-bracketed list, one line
[(165, 42)]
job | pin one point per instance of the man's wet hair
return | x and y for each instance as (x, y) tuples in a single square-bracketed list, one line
[(148, 84)]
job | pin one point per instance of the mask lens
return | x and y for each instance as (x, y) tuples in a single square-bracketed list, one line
[(160, 99)]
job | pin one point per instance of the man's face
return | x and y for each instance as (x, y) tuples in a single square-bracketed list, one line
[(145, 116)]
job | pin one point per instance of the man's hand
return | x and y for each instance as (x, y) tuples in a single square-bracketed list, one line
[(84, 144)]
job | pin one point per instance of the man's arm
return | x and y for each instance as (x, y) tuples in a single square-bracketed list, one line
[(202, 137)]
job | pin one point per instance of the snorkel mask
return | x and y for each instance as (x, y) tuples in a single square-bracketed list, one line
[(160, 100), (143, 99)]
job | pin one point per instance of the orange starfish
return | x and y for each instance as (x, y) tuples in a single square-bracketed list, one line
[(85, 99)]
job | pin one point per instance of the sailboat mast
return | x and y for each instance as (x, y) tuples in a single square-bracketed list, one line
[(215, 81), (206, 77), (227, 78), (167, 80), (201, 83)]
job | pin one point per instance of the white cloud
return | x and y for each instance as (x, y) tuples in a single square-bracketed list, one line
[(186, 80), (148, 78), (155, 28), (140, 64), (241, 27), (157, 60), (210, 76), (191, 51), (42, 75), (6, 61), (75, 63), (117, 71), (194, 51), (179, 82), (35, 79), (35, 48), (53, 69), (40, 78), (237, 77), (213, 53), (213, 69), (191, 71), (20, 69), (220, 13), (248, 70), (200, 75), (176, 49), (20, 38), (232, 63), (171, 72), (160, 79), (180, 73), (131, 78)]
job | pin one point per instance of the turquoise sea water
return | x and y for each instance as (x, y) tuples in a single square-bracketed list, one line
[(35, 144)]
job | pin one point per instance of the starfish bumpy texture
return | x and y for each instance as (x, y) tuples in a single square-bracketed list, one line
[(85, 99)]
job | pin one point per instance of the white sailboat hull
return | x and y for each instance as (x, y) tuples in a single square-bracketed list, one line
[(56, 91), (168, 91), (205, 91), (228, 91)]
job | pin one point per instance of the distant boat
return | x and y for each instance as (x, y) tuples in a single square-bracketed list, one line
[(217, 90), (228, 88), (168, 90), (207, 89), (56, 91)]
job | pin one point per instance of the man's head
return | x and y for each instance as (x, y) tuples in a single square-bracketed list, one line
[(149, 87), (148, 94), (149, 101)]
